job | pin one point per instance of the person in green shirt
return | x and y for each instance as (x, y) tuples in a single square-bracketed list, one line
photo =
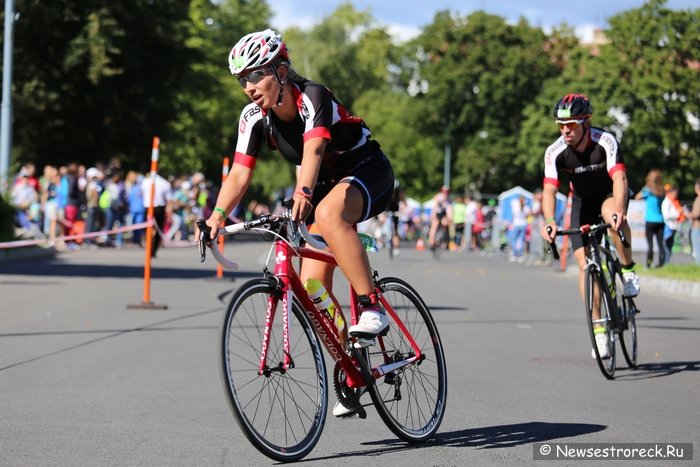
[(459, 215)]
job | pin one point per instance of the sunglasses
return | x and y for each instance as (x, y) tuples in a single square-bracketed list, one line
[(253, 77), (571, 124)]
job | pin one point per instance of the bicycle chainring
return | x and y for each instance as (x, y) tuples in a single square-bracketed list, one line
[(347, 396)]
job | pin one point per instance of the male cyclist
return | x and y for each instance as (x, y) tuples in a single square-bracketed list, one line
[(440, 215), (394, 209), (589, 158)]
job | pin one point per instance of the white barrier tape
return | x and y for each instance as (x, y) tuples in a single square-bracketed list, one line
[(21, 243)]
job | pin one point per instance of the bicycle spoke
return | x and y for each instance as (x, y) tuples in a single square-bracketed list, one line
[(281, 412), (421, 385)]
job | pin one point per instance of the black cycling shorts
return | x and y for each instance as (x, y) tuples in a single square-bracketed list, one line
[(586, 211), (373, 176)]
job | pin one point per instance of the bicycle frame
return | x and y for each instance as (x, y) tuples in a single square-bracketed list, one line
[(595, 257), (291, 287)]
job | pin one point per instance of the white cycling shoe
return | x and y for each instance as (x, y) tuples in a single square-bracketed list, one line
[(601, 340), (631, 287), (340, 411), (372, 323)]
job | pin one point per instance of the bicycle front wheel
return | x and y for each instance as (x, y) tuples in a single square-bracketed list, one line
[(596, 294), (411, 401), (440, 241), (281, 411), (628, 337)]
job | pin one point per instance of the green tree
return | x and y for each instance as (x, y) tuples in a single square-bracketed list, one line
[(644, 87), (95, 80), (203, 128), (416, 158), (344, 52), (657, 92), (482, 73)]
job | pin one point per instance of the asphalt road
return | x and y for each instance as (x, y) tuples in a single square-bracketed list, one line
[(86, 380)]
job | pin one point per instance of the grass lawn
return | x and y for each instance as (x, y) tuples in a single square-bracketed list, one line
[(685, 272)]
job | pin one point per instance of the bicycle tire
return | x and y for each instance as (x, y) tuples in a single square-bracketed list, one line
[(593, 277), (440, 241), (628, 337), (627, 311), (282, 413), (415, 416)]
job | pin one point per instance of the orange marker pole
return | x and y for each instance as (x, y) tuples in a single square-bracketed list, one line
[(149, 233), (224, 174)]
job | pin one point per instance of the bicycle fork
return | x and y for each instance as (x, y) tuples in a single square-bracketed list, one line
[(288, 362), (606, 296)]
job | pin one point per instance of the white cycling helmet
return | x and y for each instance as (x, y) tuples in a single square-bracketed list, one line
[(255, 50)]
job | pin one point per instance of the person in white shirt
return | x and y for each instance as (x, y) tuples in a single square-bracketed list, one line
[(673, 216), (518, 230), (162, 205)]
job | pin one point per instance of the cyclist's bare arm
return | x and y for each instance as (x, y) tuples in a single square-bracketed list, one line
[(549, 204), (232, 190), (620, 193)]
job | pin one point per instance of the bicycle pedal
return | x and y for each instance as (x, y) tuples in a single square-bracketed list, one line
[(363, 342), (361, 413)]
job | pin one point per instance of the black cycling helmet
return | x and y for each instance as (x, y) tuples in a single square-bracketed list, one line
[(573, 107)]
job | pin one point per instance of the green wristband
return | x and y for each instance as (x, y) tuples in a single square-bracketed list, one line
[(220, 211), (549, 220)]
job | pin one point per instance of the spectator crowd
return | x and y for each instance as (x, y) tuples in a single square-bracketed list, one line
[(71, 200)]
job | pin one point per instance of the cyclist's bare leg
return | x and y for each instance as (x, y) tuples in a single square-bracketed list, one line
[(445, 222), (625, 253), (335, 216), (580, 256), (431, 233), (318, 270), (395, 239)]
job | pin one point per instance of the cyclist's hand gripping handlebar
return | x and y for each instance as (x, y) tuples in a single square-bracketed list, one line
[(553, 244), (204, 241)]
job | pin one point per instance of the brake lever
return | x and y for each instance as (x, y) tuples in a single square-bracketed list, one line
[(553, 244), (621, 233), (204, 239)]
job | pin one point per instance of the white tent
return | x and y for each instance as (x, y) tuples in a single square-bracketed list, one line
[(505, 198)]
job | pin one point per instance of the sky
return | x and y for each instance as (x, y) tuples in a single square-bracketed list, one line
[(405, 18)]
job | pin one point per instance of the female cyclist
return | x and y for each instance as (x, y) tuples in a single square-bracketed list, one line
[(343, 176)]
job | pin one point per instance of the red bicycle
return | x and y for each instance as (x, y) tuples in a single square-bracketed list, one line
[(273, 369)]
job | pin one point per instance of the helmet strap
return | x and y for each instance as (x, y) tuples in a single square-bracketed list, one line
[(281, 83), (583, 136)]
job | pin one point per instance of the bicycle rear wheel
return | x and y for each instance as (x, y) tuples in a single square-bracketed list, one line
[(281, 412), (593, 281), (440, 241), (411, 401), (628, 337)]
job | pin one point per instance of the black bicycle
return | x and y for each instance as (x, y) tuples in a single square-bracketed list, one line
[(617, 312), (441, 241)]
